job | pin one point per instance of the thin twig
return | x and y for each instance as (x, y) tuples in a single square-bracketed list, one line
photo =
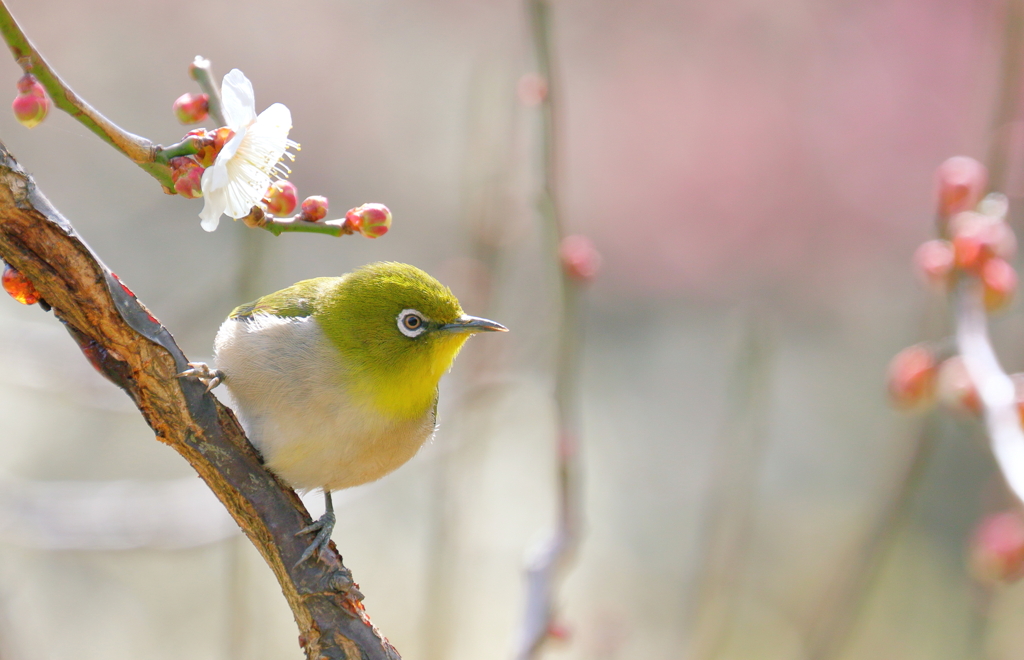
[(730, 512), (836, 614), (549, 561), (277, 226), (203, 75), (139, 150)]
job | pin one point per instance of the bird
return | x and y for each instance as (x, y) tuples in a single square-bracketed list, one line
[(335, 379)]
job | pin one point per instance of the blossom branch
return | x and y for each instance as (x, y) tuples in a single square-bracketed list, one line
[(131, 348), (548, 563), (971, 263), (278, 226), (370, 220), (995, 388), (138, 149)]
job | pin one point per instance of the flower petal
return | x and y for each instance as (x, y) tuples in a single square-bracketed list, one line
[(257, 154), (214, 186), (227, 152), (238, 101), (213, 208), (240, 176), (214, 177), (277, 116)]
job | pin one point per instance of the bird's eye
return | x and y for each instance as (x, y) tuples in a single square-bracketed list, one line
[(411, 323)]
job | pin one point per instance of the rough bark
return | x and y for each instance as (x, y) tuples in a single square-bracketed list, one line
[(131, 348)]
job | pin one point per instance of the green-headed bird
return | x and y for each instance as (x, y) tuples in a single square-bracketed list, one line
[(335, 378)]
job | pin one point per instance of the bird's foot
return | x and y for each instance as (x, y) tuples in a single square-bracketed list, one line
[(204, 374), (323, 528)]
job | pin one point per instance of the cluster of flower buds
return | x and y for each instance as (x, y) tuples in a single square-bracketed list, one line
[(917, 380), (975, 242), (996, 553), (19, 287), (187, 171), (250, 159), (370, 220), (31, 105), (192, 108), (975, 237)]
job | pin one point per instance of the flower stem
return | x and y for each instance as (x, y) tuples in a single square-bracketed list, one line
[(203, 75), (187, 147), (330, 227), (138, 149)]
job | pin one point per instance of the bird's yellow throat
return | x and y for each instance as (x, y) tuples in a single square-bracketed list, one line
[(407, 389)]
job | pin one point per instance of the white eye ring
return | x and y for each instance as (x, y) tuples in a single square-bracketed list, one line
[(411, 323)]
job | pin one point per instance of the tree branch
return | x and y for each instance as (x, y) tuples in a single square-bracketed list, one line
[(139, 150), (132, 349)]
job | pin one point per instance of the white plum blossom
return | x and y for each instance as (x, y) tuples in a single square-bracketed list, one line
[(239, 178)]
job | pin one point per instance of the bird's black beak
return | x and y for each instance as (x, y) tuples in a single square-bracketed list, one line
[(473, 324)]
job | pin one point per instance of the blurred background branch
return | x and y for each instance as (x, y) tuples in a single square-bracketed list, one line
[(548, 561), (728, 517)]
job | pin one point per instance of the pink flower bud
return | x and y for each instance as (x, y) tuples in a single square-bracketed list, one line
[(187, 176), (955, 389), (997, 548), (370, 220), (314, 208), (31, 105), (19, 287), (192, 108), (282, 198), (977, 238), (912, 374), (961, 183), (580, 258), (559, 631), (934, 262), (532, 89), (1000, 282), (28, 84), (213, 142)]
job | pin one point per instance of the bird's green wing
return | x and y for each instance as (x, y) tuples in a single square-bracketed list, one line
[(298, 300)]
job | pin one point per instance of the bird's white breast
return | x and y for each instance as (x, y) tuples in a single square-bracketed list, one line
[(288, 382)]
